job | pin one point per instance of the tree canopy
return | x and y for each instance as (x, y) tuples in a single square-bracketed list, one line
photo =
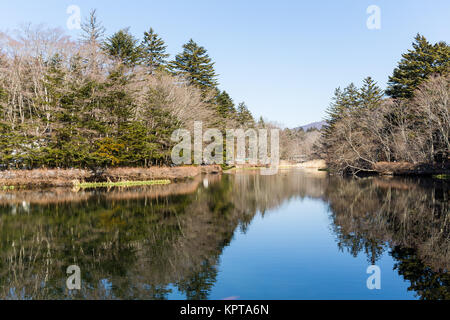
[(123, 47), (153, 50), (225, 105), (195, 65), (423, 60)]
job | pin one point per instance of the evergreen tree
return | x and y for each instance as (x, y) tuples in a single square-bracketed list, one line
[(153, 50), (93, 31), (343, 101), (161, 124), (123, 47), (351, 98), (370, 94), (53, 80), (225, 105), (195, 64), (244, 116), (118, 100), (420, 62), (334, 112), (261, 122)]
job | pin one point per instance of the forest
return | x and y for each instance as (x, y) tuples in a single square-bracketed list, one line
[(409, 123), (103, 101), (113, 101)]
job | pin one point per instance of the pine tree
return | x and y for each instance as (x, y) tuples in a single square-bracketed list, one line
[(53, 80), (343, 101), (117, 99), (370, 94), (334, 112), (93, 29), (123, 47), (225, 105), (244, 116), (261, 122), (153, 50), (195, 64), (419, 63), (350, 98)]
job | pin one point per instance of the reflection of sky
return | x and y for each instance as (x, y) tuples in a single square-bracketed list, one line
[(106, 284), (292, 253)]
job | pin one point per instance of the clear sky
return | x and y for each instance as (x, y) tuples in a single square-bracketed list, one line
[(283, 58)]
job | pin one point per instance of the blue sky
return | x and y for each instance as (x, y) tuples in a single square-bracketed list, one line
[(283, 58)]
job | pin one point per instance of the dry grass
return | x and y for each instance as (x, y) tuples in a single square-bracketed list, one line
[(407, 168), (154, 173), (313, 164), (86, 185), (66, 195), (393, 167), (42, 177), (71, 177)]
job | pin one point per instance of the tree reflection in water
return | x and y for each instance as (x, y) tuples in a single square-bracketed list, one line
[(409, 216), (145, 242)]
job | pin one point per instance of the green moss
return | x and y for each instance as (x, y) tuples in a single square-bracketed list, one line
[(85, 185), (245, 168), (442, 176), (226, 167), (8, 187)]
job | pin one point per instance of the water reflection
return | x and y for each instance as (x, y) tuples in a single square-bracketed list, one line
[(147, 243), (410, 217)]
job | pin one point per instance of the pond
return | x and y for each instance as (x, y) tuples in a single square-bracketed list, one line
[(294, 235)]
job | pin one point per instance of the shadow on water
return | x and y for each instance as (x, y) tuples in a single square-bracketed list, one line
[(146, 242)]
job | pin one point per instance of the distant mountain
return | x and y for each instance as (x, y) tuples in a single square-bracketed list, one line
[(317, 125)]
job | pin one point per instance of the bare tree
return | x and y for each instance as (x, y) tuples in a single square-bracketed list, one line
[(93, 30)]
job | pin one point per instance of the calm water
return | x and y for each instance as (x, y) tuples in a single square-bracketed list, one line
[(245, 236)]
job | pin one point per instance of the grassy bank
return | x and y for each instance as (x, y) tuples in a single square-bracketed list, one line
[(85, 185), (110, 177)]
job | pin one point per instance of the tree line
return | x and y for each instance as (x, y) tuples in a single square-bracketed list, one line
[(409, 122), (103, 101)]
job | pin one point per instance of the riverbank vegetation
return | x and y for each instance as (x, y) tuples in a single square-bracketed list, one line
[(107, 176), (85, 185), (407, 125), (111, 101), (103, 101)]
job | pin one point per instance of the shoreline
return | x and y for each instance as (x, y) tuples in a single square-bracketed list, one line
[(398, 169), (127, 176), (9, 179), (409, 169), (60, 195)]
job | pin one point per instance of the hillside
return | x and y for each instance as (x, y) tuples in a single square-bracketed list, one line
[(318, 125)]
